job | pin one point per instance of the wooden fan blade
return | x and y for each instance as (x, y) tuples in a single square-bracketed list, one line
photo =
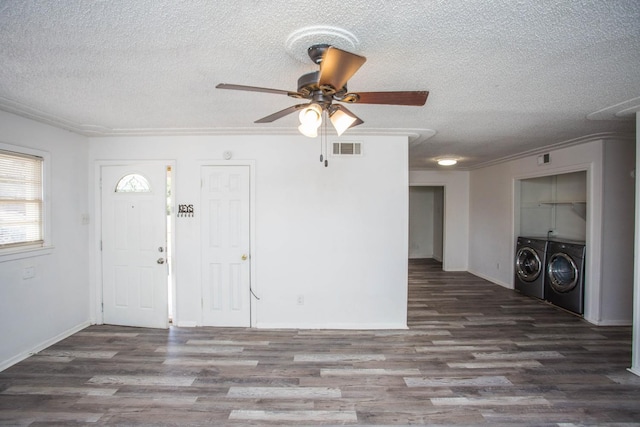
[(338, 66), (259, 89), (415, 98), (275, 116)]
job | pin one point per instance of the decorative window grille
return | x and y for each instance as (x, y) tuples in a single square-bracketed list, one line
[(21, 200), (133, 183)]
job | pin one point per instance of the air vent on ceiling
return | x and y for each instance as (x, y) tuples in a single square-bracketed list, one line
[(347, 148)]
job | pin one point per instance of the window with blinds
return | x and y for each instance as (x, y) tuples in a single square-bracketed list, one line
[(21, 207)]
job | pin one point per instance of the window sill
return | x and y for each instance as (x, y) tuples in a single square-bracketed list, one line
[(12, 255)]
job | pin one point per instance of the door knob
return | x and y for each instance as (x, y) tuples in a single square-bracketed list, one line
[(244, 257), (160, 261)]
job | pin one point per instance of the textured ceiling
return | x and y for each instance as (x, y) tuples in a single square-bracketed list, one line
[(505, 76)]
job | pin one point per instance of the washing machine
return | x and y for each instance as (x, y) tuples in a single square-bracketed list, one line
[(564, 281), (530, 264)]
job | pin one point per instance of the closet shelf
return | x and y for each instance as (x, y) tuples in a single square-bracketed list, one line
[(562, 202), (578, 206)]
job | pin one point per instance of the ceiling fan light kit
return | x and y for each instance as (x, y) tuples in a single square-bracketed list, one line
[(341, 120), (310, 120), (328, 85), (308, 131)]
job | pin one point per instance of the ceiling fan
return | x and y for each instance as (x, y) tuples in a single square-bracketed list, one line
[(327, 85)]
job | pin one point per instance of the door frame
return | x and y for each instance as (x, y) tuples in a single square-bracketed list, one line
[(444, 217), (95, 292), (254, 294)]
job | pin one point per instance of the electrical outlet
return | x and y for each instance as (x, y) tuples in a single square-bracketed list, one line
[(300, 300)]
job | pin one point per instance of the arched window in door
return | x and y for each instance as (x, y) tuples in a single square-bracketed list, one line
[(133, 183)]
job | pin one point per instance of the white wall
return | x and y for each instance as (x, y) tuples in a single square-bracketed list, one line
[(456, 214), (338, 236), (618, 218), (490, 224), (36, 312), (493, 230)]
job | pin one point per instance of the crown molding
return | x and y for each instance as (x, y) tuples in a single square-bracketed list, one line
[(556, 146), (414, 135)]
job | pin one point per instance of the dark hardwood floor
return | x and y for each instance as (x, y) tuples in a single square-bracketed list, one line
[(475, 353)]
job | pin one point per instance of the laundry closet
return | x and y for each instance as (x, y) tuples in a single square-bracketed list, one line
[(551, 247)]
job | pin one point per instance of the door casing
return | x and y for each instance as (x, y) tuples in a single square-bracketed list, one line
[(95, 234), (225, 254), (255, 293)]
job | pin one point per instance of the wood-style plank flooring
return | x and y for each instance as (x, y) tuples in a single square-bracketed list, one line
[(475, 353)]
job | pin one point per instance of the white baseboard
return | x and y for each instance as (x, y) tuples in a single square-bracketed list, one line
[(614, 322), (48, 343), (187, 324), (342, 326), (420, 256), (634, 371), (492, 280)]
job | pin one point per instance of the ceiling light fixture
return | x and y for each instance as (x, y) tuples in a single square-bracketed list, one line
[(447, 162), (341, 120), (310, 120)]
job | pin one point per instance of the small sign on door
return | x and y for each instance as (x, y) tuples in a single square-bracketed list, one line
[(185, 211)]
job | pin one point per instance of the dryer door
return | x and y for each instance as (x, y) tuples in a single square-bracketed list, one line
[(528, 265), (562, 272)]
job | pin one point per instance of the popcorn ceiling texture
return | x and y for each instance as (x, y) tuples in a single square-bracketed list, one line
[(504, 76)]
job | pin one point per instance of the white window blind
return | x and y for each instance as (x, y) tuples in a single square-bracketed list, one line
[(20, 200)]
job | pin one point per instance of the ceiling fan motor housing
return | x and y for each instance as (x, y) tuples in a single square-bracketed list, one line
[(308, 86)]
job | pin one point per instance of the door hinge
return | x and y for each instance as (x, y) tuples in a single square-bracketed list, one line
[(100, 245), (102, 307)]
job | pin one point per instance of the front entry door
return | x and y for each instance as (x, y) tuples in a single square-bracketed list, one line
[(134, 268), (225, 246)]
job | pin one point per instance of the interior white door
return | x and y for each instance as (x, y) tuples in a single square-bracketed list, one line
[(134, 268), (225, 246)]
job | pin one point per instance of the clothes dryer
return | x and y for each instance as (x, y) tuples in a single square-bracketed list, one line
[(564, 282), (530, 264)]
